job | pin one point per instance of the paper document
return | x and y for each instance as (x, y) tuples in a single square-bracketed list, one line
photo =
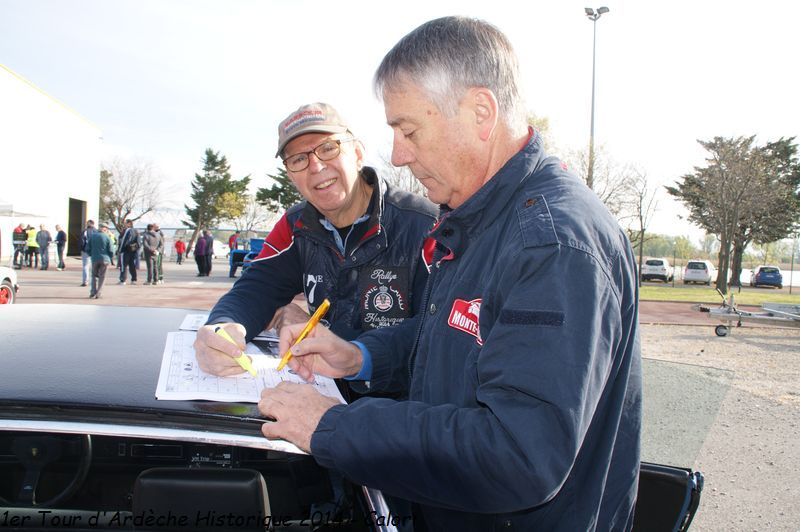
[(182, 379), (192, 322)]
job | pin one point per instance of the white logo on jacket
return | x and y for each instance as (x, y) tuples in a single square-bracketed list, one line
[(465, 316)]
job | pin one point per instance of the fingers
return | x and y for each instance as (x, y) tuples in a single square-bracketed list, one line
[(296, 409), (215, 354)]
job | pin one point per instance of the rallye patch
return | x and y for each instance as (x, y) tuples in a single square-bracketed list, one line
[(464, 316), (383, 292)]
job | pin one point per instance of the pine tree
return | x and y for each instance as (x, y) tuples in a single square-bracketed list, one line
[(208, 191), (281, 195)]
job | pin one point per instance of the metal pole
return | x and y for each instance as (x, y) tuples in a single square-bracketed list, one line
[(791, 268), (593, 16), (590, 171)]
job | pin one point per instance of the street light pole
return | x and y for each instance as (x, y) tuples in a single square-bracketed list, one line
[(593, 16)]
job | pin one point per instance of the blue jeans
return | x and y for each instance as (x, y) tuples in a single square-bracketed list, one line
[(45, 253), (86, 261), (60, 250)]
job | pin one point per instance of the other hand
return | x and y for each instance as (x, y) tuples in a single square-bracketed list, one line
[(288, 315), (296, 409)]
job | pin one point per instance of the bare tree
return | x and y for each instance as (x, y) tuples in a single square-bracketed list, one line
[(614, 183), (129, 190), (641, 207), (399, 176), (254, 216), (709, 244)]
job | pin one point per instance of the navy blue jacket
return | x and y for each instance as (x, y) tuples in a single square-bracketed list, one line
[(524, 407), (374, 283)]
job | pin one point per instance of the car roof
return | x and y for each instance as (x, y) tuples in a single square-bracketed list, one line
[(61, 363)]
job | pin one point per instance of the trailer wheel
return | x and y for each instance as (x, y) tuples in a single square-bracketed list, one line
[(721, 330)]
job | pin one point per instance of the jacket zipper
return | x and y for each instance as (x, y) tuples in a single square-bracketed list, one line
[(424, 310)]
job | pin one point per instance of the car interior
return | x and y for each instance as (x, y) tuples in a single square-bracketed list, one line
[(83, 482)]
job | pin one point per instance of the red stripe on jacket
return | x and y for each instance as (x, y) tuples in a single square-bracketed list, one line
[(277, 240)]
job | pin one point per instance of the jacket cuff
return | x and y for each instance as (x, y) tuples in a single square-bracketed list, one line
[(321, 439), (381, 365)]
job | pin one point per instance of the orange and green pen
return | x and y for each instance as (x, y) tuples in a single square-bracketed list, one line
[(312, 322)]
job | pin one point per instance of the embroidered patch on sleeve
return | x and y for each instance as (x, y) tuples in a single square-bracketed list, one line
[(547, 318)]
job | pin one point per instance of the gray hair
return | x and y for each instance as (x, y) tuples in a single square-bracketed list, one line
[(447, 56)]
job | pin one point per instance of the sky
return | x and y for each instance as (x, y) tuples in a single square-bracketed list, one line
[(166, 79)]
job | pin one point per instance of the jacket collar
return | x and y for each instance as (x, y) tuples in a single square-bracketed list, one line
[(480, 210)]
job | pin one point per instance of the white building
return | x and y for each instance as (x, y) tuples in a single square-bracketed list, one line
[(50, 160)]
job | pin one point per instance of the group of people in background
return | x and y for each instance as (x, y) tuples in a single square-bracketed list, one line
[(32, 247), (151, 243), (99, 247)]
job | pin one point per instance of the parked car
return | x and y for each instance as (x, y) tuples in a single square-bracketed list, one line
[(657, 269), (8, 285), (766, 276), (255, 249), (699, 271), (85, 445)]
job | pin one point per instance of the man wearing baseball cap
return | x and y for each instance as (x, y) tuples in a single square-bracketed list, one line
[(355, 240)]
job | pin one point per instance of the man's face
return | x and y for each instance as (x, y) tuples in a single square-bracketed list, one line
[(441, 152), (328, 185)]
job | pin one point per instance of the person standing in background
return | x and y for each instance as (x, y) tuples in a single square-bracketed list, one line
[(150, 245), (180, 249), (61, 242), (86, 260), (233, 241), (128, 250), (33, 248), (43, 238), (20, 239), (200, 254), (160, 255), (102, 254), (209, 255)]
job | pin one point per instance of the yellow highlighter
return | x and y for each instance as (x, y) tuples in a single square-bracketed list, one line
[(242, 359), (321, 310)]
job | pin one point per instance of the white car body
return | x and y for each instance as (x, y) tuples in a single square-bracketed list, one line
[(699, 271), (657, 268), (8, 285)]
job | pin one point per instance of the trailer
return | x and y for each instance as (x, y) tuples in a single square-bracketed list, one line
[(728, 313)]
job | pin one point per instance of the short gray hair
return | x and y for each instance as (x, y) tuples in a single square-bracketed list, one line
[(447, 56)]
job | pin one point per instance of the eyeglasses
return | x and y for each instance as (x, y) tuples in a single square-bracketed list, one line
[(330, 149)]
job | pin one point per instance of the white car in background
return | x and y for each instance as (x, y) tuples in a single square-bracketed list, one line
[(699, 271), (8, 285), (657, 268)]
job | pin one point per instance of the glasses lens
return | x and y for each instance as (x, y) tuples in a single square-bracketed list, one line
[(298, 162), (327, 150)]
